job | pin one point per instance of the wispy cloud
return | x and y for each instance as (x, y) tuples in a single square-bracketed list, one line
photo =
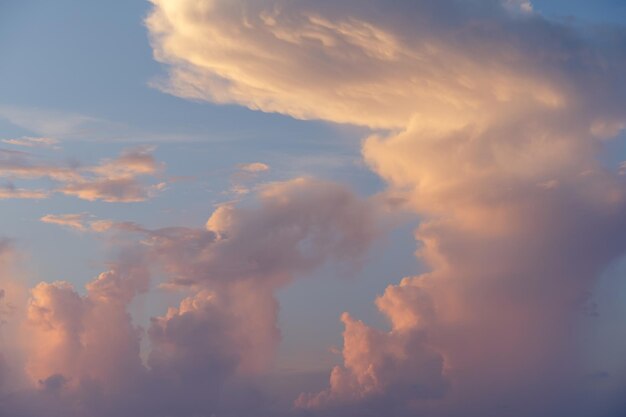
[(72, 221), (72, 126), (112, 180), (10, 191), (486, 122), (33, 142), (245, 175)]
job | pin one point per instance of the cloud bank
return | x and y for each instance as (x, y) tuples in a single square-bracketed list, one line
[(490, 125), (495, 118), (81, 352)]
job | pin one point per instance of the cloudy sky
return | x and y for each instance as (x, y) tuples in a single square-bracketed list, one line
[(298, 208)]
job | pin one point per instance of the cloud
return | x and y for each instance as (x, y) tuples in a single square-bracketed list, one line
[(10, 191), (73, 221), (493, 121), (523, 6), (81, 352), (112, 180), (33, 142), (494, 118), (298, 225), (24, 165), (379, 365), (88, 222), (49, 123), (85, 346), (238, 262), (245, 174), (110, 190), (254, 167)]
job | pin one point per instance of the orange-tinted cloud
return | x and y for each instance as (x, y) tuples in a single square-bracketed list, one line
[(112, 180), (495, 117), (73, 221), (81, 353), (33, 142), (254, 167), (10, 191)]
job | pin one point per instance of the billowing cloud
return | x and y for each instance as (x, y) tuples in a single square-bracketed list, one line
[(381, 370), (110, 190), (494, 121), (24, 165), (70, 330), (131, 162), (374, 65), (116, 180), (494, 118), (81, 352), (298, 225)]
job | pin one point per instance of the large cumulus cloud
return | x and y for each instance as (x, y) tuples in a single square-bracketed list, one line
[(494, 120), (81, 352)]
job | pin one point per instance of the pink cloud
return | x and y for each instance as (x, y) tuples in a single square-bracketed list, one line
[(82, 351), (483, 105), (492, 121), (112, 180)]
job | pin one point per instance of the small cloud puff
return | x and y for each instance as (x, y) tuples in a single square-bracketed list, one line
[(73, 221), (254, 167)]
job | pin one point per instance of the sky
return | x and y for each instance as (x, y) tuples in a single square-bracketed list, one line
[(312, 208)]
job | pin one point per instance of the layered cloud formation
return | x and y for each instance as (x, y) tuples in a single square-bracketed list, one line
[(490, 123), (81, 353), (449, 65), (496, 118)]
